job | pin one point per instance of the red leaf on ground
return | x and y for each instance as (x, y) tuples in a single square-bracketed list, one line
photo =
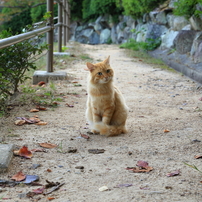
[(48, 145), (143, 167), (68, 105), (39, 190), (34, 110), (41, 108), (85, 136), (166, 131), (142, 164), (41, 83), (174, 173), (198, 156), (19, 177), (24, 152), (37, 150)]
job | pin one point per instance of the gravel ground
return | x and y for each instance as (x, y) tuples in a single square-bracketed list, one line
[(164, 129)]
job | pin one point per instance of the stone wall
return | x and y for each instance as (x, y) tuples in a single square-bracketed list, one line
[(177, 34)]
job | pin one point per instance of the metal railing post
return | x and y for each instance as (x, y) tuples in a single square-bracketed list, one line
[(60, 27), (65, 22), (49, 64), (68, 20)]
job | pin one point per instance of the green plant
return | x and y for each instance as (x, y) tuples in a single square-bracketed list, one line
[(148, 45), (193, 166), (187, 8), (15, 61), (137, 8), (94, 8), (64, 48)]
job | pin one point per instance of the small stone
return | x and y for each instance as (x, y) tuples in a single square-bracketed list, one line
[(103, 188)]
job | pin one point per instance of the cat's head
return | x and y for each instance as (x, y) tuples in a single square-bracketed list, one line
[(101, 72)]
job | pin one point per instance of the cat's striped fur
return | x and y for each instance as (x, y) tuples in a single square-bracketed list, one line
[(106, 108)]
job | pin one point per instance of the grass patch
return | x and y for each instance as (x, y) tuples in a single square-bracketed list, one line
[(139, 50)]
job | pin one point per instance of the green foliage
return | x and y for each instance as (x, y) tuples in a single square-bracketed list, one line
[(187, 8), (18, 21), (15, 60), (137, 8), (94, 8), (37, 13), (149, 45), (76, 9)]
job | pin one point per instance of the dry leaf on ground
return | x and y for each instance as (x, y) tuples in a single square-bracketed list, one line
[(174, 173), (19, 177), (198, 156), (166, 131), (34, 110), (24, 152), (41, 123), (48, 145), (143, 167)]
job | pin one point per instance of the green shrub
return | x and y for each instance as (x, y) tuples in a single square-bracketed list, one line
[(15, 60), (136, 8), (149, 45), (94, 8), (187, 8)]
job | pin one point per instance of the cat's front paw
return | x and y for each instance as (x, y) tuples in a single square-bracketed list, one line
[(95, 131)]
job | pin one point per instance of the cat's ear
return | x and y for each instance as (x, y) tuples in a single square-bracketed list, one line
[(106, 61), (90, 66)]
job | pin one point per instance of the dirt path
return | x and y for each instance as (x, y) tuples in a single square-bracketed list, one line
[(158, 100)]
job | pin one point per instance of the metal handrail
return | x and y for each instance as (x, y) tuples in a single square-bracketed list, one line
[(21, 37), (62, 23)]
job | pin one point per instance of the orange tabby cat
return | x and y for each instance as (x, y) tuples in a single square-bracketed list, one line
[(106, 108)]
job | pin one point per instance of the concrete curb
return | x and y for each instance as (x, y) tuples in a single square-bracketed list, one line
[(181, 63), (6, 154)]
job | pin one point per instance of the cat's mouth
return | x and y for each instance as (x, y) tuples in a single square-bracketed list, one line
[(105, 80)]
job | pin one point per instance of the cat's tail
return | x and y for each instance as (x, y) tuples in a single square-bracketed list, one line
[(110, 130)]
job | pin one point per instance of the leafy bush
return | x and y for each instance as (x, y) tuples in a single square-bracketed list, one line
[(18, 21), (136, 8), (149, 45), (187, 8), (15, 60), (94, 8)]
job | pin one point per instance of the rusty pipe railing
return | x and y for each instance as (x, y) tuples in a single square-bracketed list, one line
[(47, 29)]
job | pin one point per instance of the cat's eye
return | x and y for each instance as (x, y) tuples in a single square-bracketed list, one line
[(99, 73), (108, 70)]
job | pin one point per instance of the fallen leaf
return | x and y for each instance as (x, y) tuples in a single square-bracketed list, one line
[(50, 198), (142, 164), (69, 105), (20, 122), (123, 185), (48, 145), (41, 123), (41, 83), (166, 131), (33, 120), (40, 108), (174, 173), (96, 151), (34, 110), (143, 167), (24, 152), (103, 188), (38, 150), (85, 136), (19, 177), (198, 156), (31, 178), (140, 170), (39, 190)]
